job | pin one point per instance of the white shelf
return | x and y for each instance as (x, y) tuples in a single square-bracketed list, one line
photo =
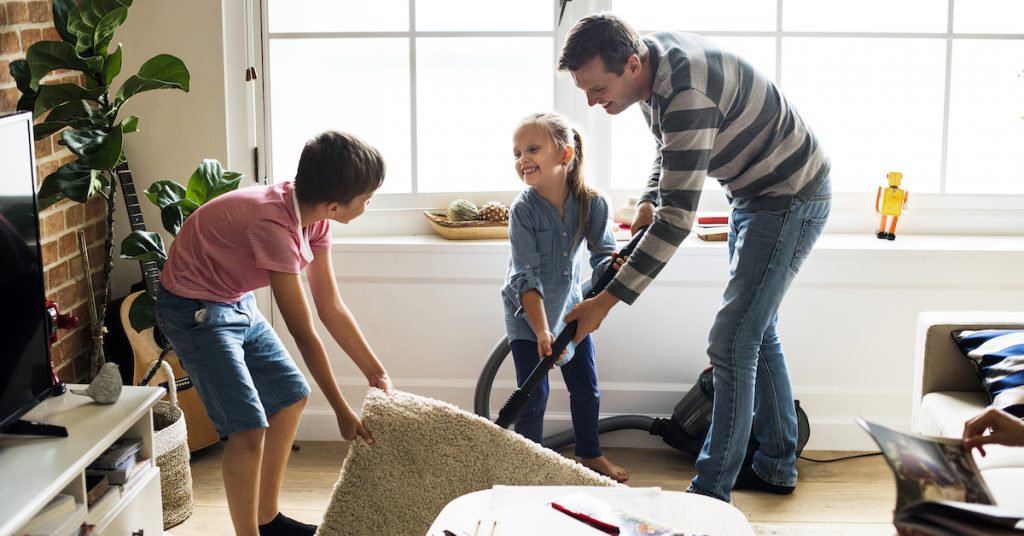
[(42, 467)]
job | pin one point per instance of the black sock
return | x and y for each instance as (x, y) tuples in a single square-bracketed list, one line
[(286, 526), (749, 480)]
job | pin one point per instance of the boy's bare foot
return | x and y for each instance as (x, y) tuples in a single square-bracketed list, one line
[(603, 465)]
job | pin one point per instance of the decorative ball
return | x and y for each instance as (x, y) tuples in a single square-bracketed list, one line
[(462, 210), (494, 211)]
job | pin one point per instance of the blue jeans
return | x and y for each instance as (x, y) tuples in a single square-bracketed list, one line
[(580, 375), (752, 388), (242, 372)]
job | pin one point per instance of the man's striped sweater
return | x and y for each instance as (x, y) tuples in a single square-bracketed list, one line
[(713, 115)]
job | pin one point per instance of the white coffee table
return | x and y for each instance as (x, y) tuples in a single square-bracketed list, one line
[(513, 510)]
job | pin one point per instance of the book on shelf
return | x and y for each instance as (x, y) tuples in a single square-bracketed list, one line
[(66, 523), (118, 455), (939, 490), (58, 507), (103, 505), (712, 233), (120, 476), (137, 475)]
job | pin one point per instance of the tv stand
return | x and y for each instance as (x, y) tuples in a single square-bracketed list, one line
[(21, 427), (36, 469)]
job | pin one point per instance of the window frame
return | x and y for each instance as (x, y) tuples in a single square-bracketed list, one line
[(853, 212)]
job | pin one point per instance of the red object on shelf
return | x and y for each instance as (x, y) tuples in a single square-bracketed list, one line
[(712, 220)]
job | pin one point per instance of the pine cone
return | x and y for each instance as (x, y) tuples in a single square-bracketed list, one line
[(494, 211)]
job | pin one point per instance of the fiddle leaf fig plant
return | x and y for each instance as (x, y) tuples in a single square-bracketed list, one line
[(88, 114), (176, 203)]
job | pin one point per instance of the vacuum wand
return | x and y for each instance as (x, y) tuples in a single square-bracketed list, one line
[(521, 397)]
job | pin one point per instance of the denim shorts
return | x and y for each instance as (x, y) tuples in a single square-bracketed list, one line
[(242, 372)]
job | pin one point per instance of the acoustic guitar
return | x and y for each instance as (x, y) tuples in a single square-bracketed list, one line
[(145, 345)]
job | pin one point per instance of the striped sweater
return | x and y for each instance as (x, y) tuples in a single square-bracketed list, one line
[(713, 115)]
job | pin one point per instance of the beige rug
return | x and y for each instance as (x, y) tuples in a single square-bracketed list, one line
[(425, 454)]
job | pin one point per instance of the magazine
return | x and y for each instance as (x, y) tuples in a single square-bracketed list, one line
[(939, 490)]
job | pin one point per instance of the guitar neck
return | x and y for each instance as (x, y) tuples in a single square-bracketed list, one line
[(150, 272)]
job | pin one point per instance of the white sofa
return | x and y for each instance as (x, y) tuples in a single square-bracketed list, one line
[(947, 392)]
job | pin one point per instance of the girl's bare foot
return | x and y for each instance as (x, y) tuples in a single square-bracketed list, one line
[(603, 465)]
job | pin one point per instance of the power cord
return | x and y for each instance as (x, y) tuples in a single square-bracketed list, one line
[(865, 455)]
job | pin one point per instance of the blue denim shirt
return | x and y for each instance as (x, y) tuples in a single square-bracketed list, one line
[(544, 257)]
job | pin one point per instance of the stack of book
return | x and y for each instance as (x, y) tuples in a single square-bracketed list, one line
[(712, 228), (119, 463), (62, 516)]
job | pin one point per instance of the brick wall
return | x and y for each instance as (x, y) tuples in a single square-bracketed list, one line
[(23, 23)]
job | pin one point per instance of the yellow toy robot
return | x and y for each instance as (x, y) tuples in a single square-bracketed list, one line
[(893, 200)]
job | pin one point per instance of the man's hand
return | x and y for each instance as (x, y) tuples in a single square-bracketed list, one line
[(352, 426), (589, 314), (644, 216)]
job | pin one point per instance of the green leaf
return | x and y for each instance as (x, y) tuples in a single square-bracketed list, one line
[(72, 180), (96, 148), (165, 192), (130, 124), (144, 246), (105, 29), (61, 10), (210, 180), (173, 215), (22, 74), (112, 66), (46, 56), (84, 21), (53, 95), (142, 313), (75, 114), (160, 72)]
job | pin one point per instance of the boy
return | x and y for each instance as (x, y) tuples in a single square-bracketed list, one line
[(251, 387)]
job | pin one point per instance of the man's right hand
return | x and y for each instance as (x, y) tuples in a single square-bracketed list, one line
[(644, 216)]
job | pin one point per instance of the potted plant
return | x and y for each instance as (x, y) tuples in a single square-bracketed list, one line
[(89, 114)]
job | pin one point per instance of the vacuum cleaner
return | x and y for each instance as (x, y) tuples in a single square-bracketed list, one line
[(684, 431)]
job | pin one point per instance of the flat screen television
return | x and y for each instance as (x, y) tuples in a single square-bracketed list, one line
[(25, 372)]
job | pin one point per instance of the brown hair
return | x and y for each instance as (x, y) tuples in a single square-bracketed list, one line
[(564, 135), (337, 167), (603, 35)]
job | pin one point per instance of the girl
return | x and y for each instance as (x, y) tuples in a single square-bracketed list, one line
[(548, 222)]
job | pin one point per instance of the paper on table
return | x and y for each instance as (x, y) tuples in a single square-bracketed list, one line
[(641, 501)]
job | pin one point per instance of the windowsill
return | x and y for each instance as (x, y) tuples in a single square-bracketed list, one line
[(834, 244)]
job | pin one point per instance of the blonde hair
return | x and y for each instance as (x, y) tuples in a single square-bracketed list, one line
[(565, 135)]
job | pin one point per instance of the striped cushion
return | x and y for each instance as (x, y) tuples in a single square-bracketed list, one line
[(999, 356)]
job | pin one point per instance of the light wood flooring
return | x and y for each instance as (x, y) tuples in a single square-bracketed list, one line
[(844, 498)]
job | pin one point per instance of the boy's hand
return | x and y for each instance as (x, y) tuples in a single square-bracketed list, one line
[(544, 342), (383, 382), (617, 261), (352, 426)]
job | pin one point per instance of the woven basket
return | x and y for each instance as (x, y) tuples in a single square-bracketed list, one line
[(466, 230), (170, 448)]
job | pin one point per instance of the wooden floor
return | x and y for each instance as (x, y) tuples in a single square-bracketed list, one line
[(851, 497)]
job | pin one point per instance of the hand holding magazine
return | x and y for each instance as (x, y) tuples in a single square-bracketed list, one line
[(939, 490)]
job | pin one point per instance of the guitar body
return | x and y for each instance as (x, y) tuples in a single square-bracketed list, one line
[(201, 432)]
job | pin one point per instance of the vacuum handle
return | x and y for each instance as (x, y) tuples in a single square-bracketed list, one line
[(609, 273), (516, 403)]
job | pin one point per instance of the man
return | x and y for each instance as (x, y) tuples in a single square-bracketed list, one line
[(712, 114)]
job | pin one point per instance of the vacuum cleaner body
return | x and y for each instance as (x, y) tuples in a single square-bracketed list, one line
[(691, 419)]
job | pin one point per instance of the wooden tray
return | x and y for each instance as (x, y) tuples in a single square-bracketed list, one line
[(466, 230)]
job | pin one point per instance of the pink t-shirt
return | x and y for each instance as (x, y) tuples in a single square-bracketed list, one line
[(229, 245)]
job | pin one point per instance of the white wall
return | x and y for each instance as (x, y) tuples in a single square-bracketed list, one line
[(431, 311)]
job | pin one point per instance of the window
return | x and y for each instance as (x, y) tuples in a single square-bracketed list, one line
[(931, 88)]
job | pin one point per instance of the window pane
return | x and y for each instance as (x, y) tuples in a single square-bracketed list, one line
[(988, 16), (470, 94), (337, 16), (865, 16), (320, 84), (473, 15), (875, 104), (986, 121), (697, 15), (632, 142)]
